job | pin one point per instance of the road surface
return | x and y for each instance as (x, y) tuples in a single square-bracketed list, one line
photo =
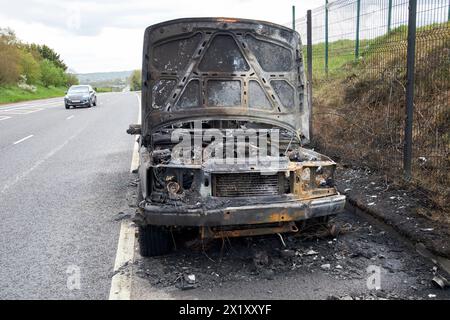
[(63, 179)]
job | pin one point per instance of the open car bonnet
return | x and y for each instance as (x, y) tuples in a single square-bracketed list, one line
[(223, 69)]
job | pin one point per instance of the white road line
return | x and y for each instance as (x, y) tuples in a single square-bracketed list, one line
[(22, 140), (31, 106), (21, 176), (71, 117), (121, 283), (4, 118), (21, 111)]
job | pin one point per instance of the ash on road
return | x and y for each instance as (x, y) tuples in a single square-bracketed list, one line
[(309, 267)]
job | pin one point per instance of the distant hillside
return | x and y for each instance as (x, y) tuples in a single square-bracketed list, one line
[(100, 77)]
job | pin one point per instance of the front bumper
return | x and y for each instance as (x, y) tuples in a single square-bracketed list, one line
[(282, 212), (77, 104)]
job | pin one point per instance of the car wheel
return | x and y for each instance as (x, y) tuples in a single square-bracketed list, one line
[(139, 196), (95, 102), (154, 241), (67, 107)]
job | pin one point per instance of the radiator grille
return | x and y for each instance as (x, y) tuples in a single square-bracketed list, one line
[(245, 185)]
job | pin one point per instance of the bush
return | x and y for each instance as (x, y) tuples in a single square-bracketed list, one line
[(9, 58), (71, 80), (22, 84), (30, 68), (135, 80), (52, 75)]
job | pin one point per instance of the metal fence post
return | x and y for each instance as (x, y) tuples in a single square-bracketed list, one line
[(449, 10), (310, 69), (326, 38), (358, 23), (411, 57), (293, 18), (389, 16)]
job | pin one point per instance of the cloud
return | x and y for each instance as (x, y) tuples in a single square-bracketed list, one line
[(83, 17), (102, 35)]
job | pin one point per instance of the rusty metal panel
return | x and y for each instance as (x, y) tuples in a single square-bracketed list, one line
[(224, 69), (218, 233)]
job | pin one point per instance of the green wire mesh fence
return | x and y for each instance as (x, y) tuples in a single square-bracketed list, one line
[(359, 59)]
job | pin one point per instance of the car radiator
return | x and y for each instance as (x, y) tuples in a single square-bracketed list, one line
[(245, 185)]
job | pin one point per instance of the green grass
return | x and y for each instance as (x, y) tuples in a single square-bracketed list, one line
[(103, 89), (340, 54), (9, 94)]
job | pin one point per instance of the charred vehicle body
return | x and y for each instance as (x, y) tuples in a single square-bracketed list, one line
[(216, 93)]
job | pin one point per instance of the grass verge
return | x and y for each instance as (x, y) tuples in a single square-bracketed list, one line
[(359, 109), (10, 94)]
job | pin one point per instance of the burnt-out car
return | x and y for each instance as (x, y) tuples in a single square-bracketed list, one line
[(225, 118)]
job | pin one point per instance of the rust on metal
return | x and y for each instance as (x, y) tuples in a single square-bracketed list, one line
[(211, 233)]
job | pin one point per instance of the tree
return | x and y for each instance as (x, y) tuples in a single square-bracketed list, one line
[(9, 57), (51, 75), (135, 80), (29, 67), (49, 54), (71, 80), (32, 63), (8, 36)]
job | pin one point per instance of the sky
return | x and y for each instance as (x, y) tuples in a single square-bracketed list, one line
[(107, 35)]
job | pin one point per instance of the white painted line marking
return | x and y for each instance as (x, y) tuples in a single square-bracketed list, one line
[(135, 159), (21, 176), (121, 283), (21, 111), (4, 118), (22, 107), (22, 140), (71, 117)]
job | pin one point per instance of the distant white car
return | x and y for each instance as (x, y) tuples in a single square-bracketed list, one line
[(80, 96)]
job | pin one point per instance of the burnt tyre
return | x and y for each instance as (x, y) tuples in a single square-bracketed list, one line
[(154, 241)]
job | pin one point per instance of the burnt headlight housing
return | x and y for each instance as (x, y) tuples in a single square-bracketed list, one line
[(324, 177), (314, 181)]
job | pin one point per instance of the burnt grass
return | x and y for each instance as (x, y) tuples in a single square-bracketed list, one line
[(341, 256)]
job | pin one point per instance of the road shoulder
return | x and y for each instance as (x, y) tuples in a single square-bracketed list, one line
[(395, 206)]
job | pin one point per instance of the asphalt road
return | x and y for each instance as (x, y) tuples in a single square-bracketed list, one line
[(63, 179)]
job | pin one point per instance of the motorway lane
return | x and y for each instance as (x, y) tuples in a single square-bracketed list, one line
[(60, 190)]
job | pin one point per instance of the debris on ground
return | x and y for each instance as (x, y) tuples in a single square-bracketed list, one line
[(340, 259), (187, 282), (122, 216), (440, 282), (311, 253), (207, 265), (409, 210), (326, 266)]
